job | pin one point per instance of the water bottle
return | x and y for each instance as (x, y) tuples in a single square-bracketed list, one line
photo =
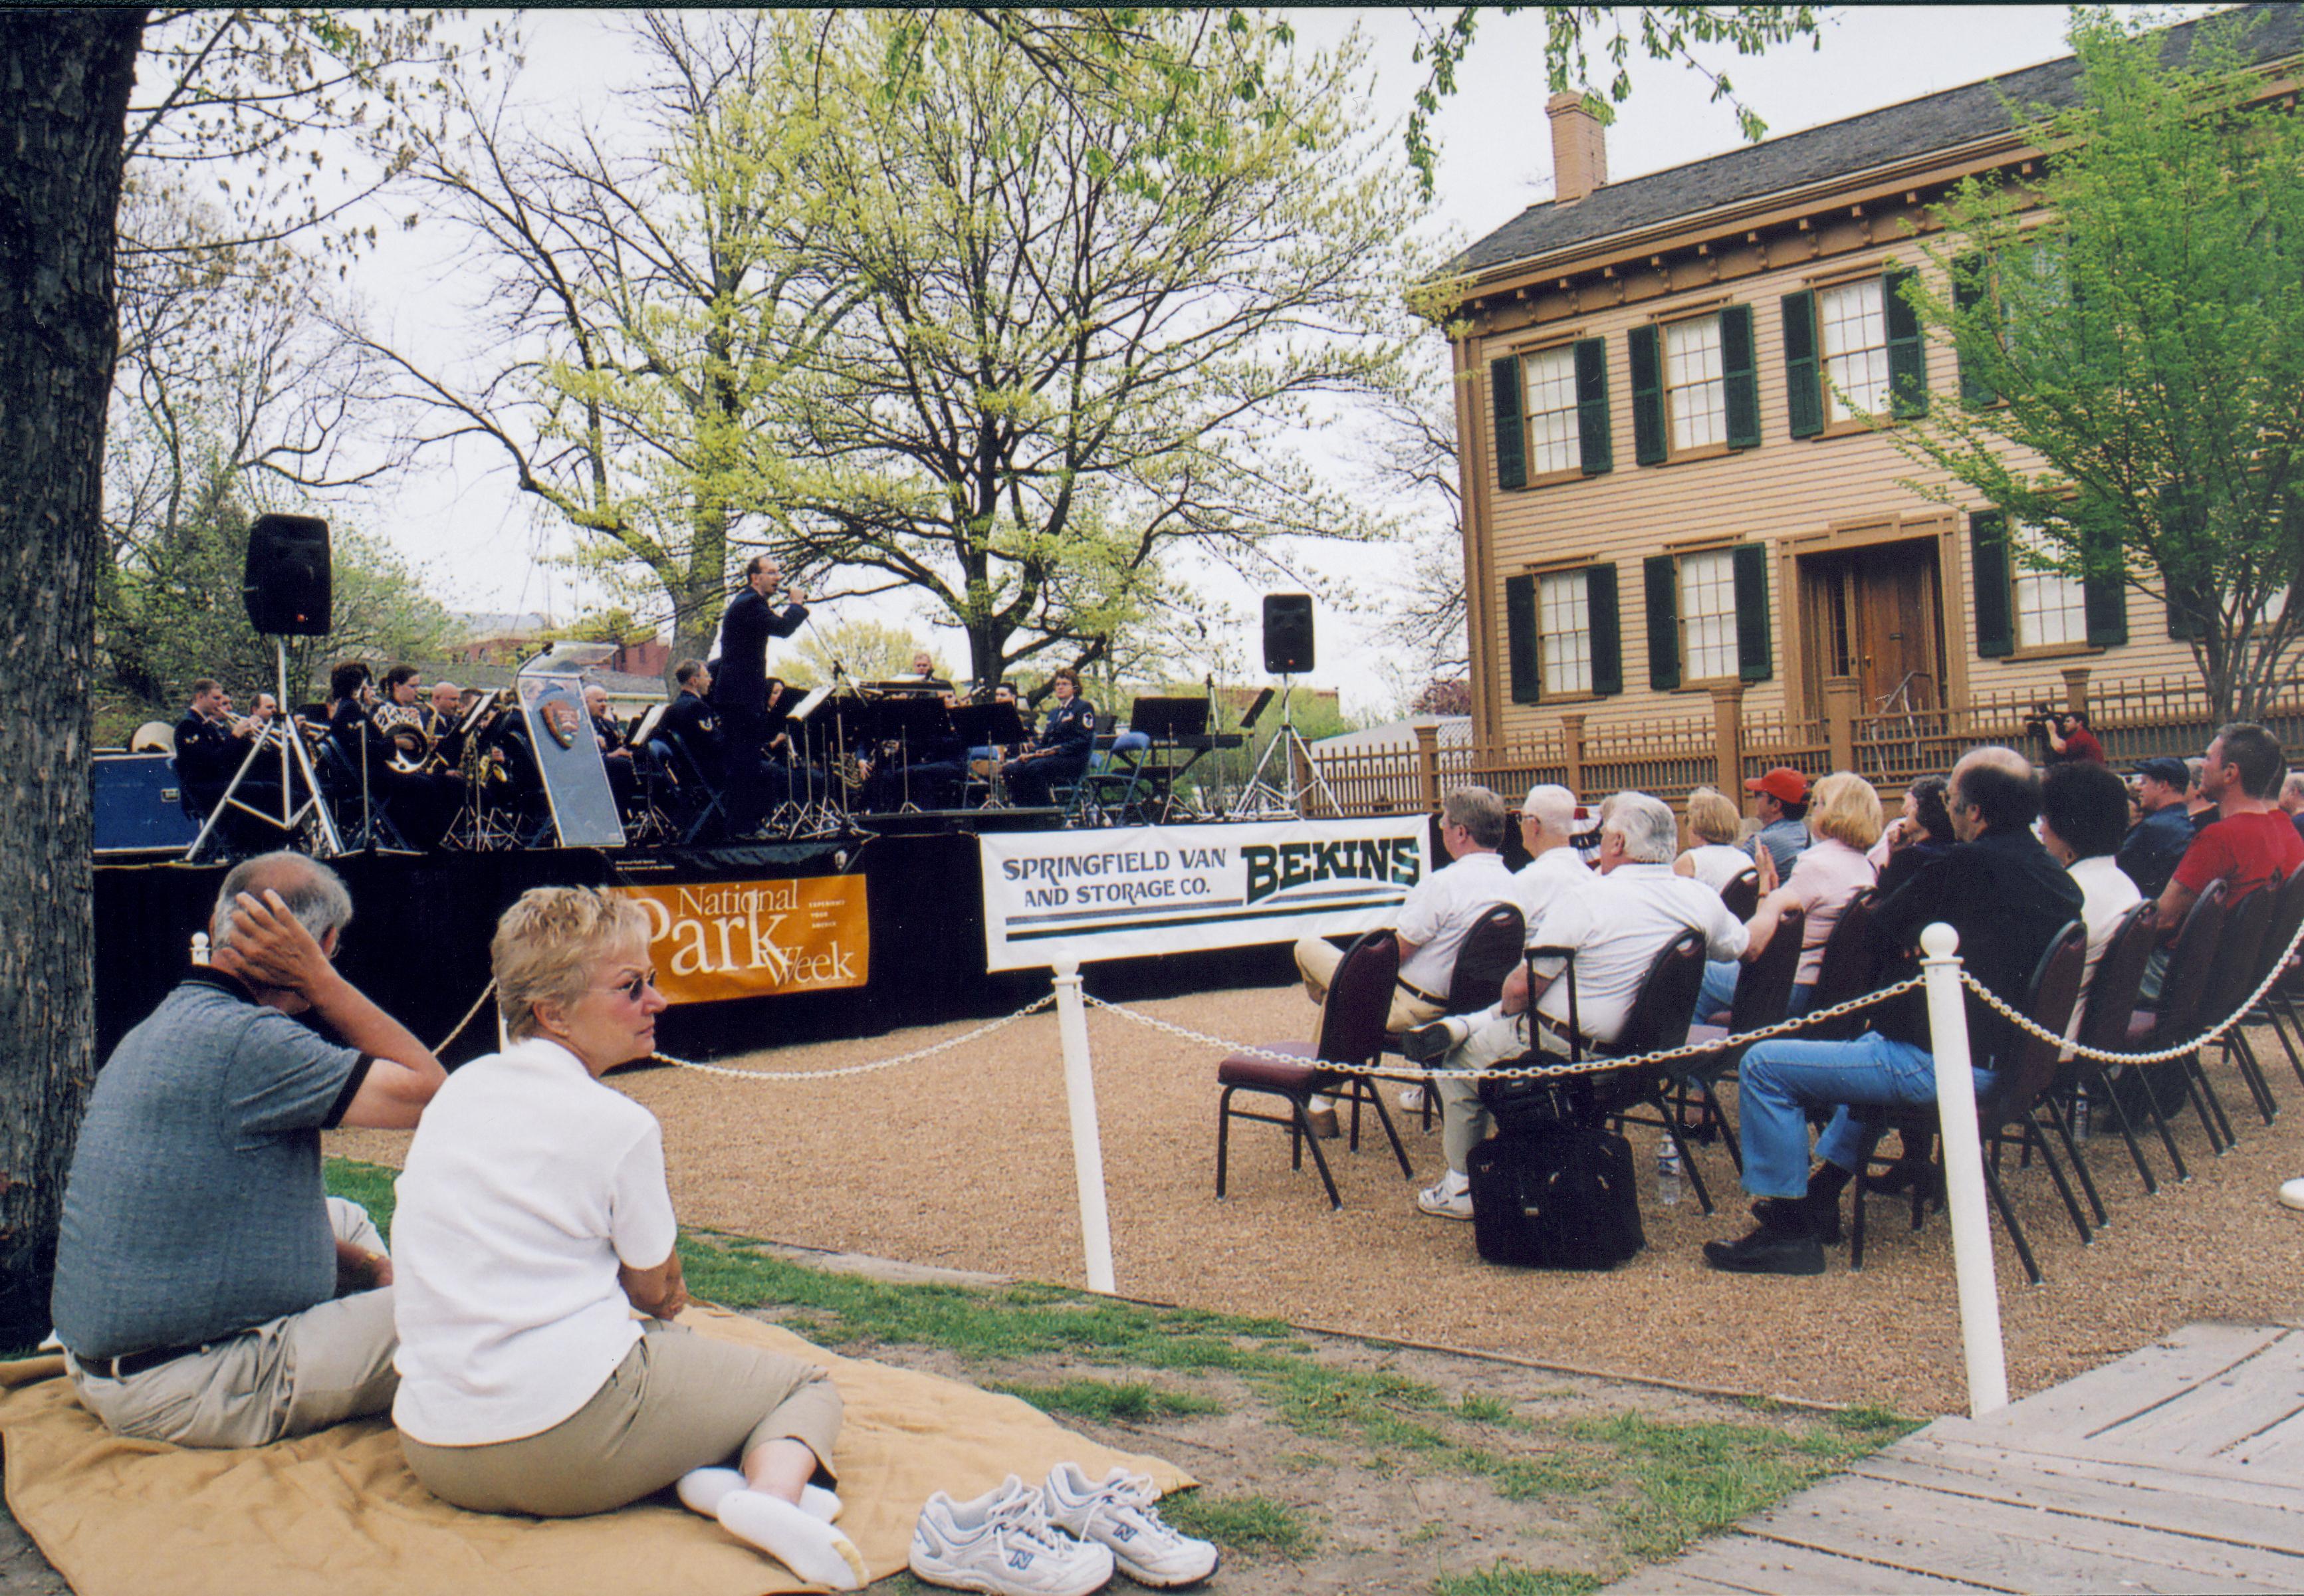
[(1668, 1176)]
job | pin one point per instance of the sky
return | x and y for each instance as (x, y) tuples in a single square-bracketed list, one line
[(480, 546)]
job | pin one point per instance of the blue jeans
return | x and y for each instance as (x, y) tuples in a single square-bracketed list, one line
[(1780, 1081), (1718, 991)]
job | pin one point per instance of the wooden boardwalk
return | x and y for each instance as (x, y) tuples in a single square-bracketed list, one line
[(2179, 1468)]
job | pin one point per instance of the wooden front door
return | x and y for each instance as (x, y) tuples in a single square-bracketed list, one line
[(1875, 614)]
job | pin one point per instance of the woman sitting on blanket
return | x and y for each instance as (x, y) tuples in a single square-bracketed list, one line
[(532, 1217)]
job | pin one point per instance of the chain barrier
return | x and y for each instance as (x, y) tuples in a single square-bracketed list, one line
[(1418, 1074), (478, 1003), (914, 1057), (2026, 1023)]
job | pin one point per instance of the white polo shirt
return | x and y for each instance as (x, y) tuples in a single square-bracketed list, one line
[(1440, 909), (1618, 923), (1543, 879), (2107, 895), (527, 1184)]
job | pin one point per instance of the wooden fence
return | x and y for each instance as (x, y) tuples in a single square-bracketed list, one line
[(2132, 718)]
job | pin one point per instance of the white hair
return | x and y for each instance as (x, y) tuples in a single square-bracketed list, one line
[(1650, 830), (1552, 808), (313, 893)]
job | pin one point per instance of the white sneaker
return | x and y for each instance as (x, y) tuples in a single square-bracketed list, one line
[(1411, 1098), (1003, 1544), (1118, 1513), (2292, 1193), (1445, 1199)]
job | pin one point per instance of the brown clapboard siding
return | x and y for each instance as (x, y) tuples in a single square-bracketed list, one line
[(1784, 489)]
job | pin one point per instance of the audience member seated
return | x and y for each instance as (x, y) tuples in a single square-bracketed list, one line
[(1844, 814), (1060, 754), (2249, 845), (533, 1217), (2155, 844), (1618, 922), (2083, 812), (1916, 838), (1780, 800), (2198, 806), (208, 1291), (2007, 900), (2291, 799), (1715, 860)]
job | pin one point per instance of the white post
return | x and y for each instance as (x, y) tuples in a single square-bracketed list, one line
[(1963, 1163), (1088, 1144), (200, 948)]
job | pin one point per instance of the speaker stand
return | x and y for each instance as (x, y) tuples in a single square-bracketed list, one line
[(1266, 796), (294, 759)]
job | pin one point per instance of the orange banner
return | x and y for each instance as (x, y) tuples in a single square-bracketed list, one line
[(713, 940)]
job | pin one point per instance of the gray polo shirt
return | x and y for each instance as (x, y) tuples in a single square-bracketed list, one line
[(195, 1208)]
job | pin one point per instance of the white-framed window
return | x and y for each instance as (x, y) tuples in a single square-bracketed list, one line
[(1553, 442), (1696, 388), (1854, 322), (1707, 615), (1563, 626), (2051, 607)]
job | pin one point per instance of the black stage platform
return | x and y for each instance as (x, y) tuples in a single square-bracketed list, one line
[(419, 940)]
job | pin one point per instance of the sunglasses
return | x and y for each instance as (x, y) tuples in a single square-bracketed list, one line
[(631, 990)]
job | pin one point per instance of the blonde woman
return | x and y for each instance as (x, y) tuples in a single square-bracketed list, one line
[(1845, 816), (1715, 861), (533, 1217)]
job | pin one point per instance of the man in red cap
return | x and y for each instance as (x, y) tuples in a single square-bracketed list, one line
[(1780, 802)]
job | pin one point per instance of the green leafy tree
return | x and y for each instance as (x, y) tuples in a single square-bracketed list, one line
[(1081, 341), (2131, 336), (868, 651)]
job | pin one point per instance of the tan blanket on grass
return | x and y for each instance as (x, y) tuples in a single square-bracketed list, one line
[(338, 1514)]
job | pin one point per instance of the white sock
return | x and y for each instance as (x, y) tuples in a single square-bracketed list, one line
[(802, 1542), (701, 1490), (820, 1503)]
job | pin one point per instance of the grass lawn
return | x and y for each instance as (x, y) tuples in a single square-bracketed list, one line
[(1522, 1483)]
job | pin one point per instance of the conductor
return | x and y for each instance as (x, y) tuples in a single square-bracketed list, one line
[(740, 685)]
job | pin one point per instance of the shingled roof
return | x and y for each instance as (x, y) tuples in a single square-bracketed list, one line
[(1945, 121)]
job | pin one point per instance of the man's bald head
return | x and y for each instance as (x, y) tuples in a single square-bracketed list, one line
[(315, 895), (1994, 789)]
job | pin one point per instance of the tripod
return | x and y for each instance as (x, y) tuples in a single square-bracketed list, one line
[(291, 749), (1265, 795)]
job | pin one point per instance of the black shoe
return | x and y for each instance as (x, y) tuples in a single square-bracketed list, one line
[(1800, 1216), (1900, 1177), (1429, 1044), (1767, 1252)]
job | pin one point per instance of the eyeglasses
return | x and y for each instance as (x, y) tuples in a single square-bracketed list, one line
[(632, 989)]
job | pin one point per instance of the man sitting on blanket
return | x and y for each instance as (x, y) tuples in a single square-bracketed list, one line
[(209, 1291), (1617, 922)]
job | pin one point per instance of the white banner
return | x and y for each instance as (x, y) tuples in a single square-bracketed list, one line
[(1122, 892)]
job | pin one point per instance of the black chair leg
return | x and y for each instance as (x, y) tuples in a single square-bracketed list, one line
[(1319, 1159), (1856, 1216), (1687, 1156), (2080, 1170), (2128, 1134), (2034, 1137), (2277, 1004), (2167, 1133), (1224, 1136), (2008, 1217), (1727, 1132), (2208, 1106), (1383, 1118), (2242, 1052)]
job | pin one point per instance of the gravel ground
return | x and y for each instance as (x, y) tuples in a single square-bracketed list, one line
[(964, 1160)]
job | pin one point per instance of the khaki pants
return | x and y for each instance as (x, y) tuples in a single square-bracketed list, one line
[(298, 1374), (1495, 1039), (677, 1402), (1317, 959)]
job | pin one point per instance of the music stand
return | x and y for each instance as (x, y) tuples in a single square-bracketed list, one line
[(1165, 719), (907, 719)]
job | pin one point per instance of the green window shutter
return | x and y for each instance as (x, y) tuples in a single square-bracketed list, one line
[(1907, 352), (1607, 639), (1967, 295), (1803, 383), (1755, 649), (1592, 405), (1740, 376), (1521, 639), (1511, 455), (1661, 573), (2104, 583), (1987, 563), (1647, 396)]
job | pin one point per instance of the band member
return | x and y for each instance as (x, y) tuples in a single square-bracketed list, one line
[(739, 689), (264, 711), (211, 745), (1059, 755), (422, 806), (617, 754), (401, 694), (442, 720), (931, 774)]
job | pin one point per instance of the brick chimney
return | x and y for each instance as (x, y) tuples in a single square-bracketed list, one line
[(1579, 149)]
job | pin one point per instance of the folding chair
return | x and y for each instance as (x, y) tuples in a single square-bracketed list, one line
[(1764, 993), (2180, 1012), (1484, 959), (2111, 997)]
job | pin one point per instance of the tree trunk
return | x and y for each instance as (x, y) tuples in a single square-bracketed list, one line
[(64, 79)]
